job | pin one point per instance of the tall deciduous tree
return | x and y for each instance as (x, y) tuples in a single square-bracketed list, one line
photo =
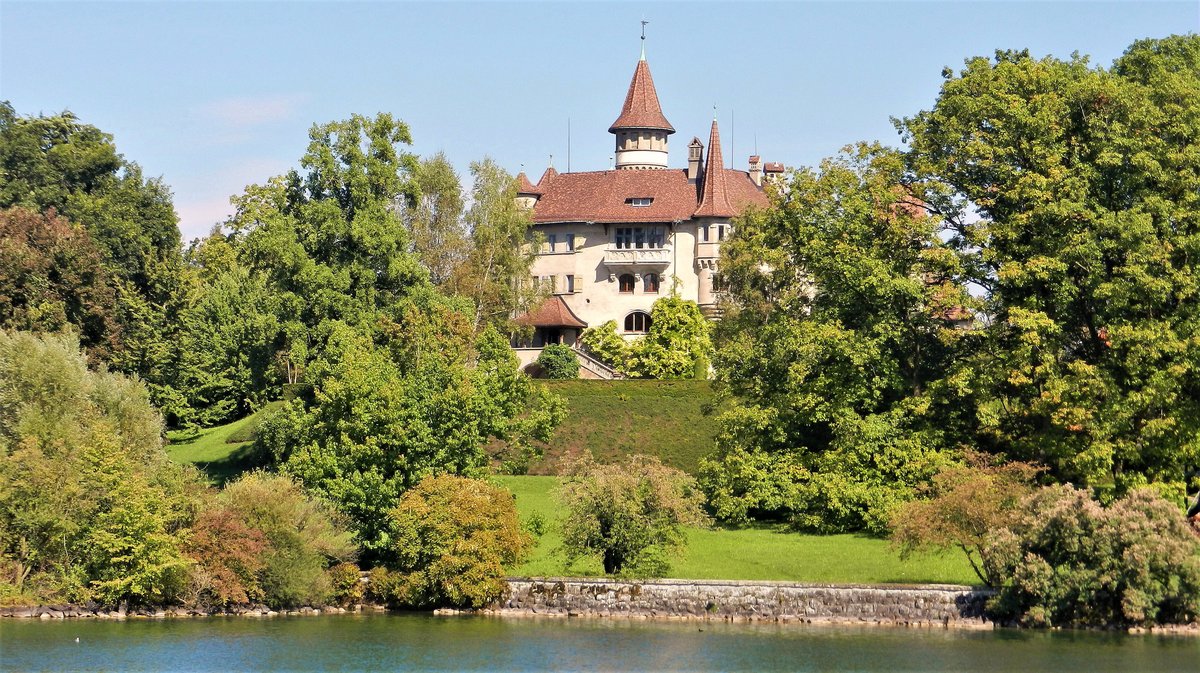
[(53, 277), (1073, 193), (837, 350), (58, 162), (495, 274), (439, 234)]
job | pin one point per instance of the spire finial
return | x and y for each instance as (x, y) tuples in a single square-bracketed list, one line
[(551, 161), (714, 112), (644, 22)]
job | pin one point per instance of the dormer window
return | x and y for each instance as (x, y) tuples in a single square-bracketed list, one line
[(640, 201)]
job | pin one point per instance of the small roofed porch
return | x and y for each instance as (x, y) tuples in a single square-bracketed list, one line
[(554, 322)]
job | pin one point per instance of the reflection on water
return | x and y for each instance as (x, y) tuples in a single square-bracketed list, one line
[(428, 643)]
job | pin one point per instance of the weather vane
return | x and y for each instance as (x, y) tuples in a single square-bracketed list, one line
[(644, 22)]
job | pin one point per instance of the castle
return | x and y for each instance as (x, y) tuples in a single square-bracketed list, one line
[(617, 240)]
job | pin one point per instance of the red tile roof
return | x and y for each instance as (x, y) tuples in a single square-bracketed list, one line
[(641, 109), (553, 312), (714, 200), (524, 186), (601, 196)]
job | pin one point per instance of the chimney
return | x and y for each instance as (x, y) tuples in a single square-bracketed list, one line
[(756, 169), (695, 159)]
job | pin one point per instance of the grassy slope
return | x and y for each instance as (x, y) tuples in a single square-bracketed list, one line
[(212, 451), (616, 418), (754, 553)]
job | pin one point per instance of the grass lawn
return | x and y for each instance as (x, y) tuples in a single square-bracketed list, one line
[(617, 418), (217, 451), (751, 553)]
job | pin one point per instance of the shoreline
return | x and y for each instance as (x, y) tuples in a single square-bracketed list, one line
[(697, 601)]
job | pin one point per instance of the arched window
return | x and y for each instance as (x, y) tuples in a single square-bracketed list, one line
[(627, 282), (650, 283), (638, 321)]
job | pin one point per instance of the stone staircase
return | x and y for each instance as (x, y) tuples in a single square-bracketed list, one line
[(598, 370)]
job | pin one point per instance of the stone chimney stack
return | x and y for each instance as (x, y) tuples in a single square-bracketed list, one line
[(756, 169), (695, 160)]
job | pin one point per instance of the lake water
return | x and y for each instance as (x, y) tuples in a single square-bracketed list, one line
[(428, 643)]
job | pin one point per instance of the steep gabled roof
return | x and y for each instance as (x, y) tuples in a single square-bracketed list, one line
[(641, 109), (714, 198), (553, 312)]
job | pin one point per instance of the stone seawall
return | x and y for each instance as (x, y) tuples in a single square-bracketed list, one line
[(943, 605)]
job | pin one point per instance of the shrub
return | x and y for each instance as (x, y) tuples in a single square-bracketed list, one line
[(963, 505), (453, 537), (228, 557), (558, 361), (383, 586), (1070, 562), (345, 583), (302, 537), (631, 514)]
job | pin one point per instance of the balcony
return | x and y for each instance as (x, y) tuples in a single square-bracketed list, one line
[(708, 249), (637, 259)]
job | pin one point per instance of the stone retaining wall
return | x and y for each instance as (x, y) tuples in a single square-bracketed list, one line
[(956, 606)]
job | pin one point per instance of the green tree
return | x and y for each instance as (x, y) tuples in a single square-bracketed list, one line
[(677, 346), (454, 538), (631, 514), (329, 238), (961, 509), (58, 162), (439, 234), (1073, 195), (383, 418), (558, 361), (90, 505), (503, 246), (54, 279), (838, 351)]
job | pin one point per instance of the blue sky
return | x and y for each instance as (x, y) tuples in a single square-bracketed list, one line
[(216, 95)]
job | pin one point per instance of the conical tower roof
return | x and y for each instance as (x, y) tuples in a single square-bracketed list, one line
[(714, 199), (641, 109), (524, 186)]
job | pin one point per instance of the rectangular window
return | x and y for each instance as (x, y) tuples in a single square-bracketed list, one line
[(624, 237), (639, 201), (551, 242), (570, 241), (721, 232), (655, 237), (706, 233), (568, 283), (639, 237)]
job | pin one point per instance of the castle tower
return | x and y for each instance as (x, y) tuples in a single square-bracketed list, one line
[(641, 130)]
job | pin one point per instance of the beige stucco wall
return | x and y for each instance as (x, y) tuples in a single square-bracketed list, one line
[(596, 297)]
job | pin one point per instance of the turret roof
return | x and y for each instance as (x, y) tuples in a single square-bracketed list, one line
[(524, 186), (714, 199), (641, 109)]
